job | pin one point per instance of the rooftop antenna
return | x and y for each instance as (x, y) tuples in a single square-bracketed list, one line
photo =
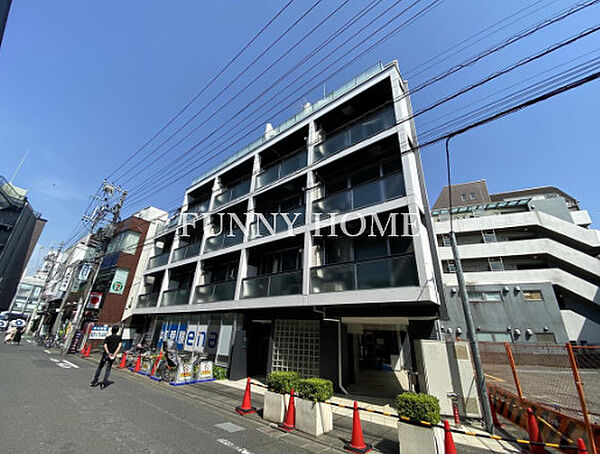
[(18, 167)]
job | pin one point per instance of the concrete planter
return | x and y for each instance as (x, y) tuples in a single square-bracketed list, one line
[(424, 440), (314, 418), (274, 407)]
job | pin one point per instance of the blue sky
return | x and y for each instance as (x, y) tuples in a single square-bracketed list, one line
[(84, 84)]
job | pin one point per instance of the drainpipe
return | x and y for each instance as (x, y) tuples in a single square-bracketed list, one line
[(339, 322)]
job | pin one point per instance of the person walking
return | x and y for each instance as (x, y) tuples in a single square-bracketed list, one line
[(110, 347), (10, 334)]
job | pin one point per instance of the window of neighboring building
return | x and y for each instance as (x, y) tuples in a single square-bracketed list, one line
[(532, 295), (125, 242), (463, 197), (488, 336), (445, 240), (545, 338), (491, 296), (489, 236), (496, 264), (472, 195), (451, 266)]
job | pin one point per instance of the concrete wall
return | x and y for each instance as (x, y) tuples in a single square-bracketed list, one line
[(446, 367), (512, 311), (581, 329)]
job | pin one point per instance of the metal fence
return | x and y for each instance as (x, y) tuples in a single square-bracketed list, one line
[(563, 378)]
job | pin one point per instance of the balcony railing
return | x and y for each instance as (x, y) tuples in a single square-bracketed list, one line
[(224, 240), (172, 222), (356, 133), (288, 283), (232, 193), (199, 207), (187, 251), (259, 229), (399, 271), (282, 169), (218, 291), (147, 300), (175, 297), (158, 260), (362, 196)]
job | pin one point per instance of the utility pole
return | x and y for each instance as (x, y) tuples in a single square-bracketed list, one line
[(102, 225), (54, 260), (466, 304)]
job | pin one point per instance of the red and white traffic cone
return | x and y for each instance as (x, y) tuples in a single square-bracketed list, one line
[(138, 364), (534, 433), (246, 408), (581, 448), (289, 423), (357, 444), (123, 360), (449, 447)]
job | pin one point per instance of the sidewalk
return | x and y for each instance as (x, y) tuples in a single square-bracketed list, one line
[(381, 431)]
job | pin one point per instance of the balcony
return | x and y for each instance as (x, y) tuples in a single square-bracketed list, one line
[(258, 229), (399, 271), (199, 207), (232, 193), (218, 291), (362, 196), (158, 260), (224, 240), (284, 168), (176, 297), (288, 283), (172, 222), (187, 251), (147, 300), (356, 133)]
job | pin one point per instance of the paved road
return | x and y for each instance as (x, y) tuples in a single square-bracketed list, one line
[(47, 406)]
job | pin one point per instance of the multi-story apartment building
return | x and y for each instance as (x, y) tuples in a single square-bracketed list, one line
[(531, 263), (20, 228), (263, 297), (28, 297)]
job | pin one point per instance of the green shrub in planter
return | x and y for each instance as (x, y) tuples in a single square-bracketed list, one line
[(315, 389), (282, 381), (219, 373), (422, 407)]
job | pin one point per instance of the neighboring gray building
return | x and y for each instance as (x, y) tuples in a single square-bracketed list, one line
[(20, 228), (530, 261)]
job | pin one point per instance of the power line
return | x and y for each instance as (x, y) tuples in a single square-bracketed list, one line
[(235, 79), (240, 52)]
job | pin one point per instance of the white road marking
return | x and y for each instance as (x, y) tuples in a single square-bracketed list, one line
[(48, 351), (233, 446), (55, 360), (29, 341), (229, 427), (74, 366)]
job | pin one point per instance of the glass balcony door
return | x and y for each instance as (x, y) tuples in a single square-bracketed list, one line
[(361, 196), (284, 168), (175, 297), (399, 271), (218, 291), (288, 283), (356, 133)]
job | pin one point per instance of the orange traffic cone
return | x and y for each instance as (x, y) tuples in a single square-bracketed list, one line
[(158, 358), (449, 447), (534, 433), (581, 449), (138, 364), (83, 350), (123, 360), (289, 423), (87, 352), (495, 419), (246, 408), (357, 444)]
